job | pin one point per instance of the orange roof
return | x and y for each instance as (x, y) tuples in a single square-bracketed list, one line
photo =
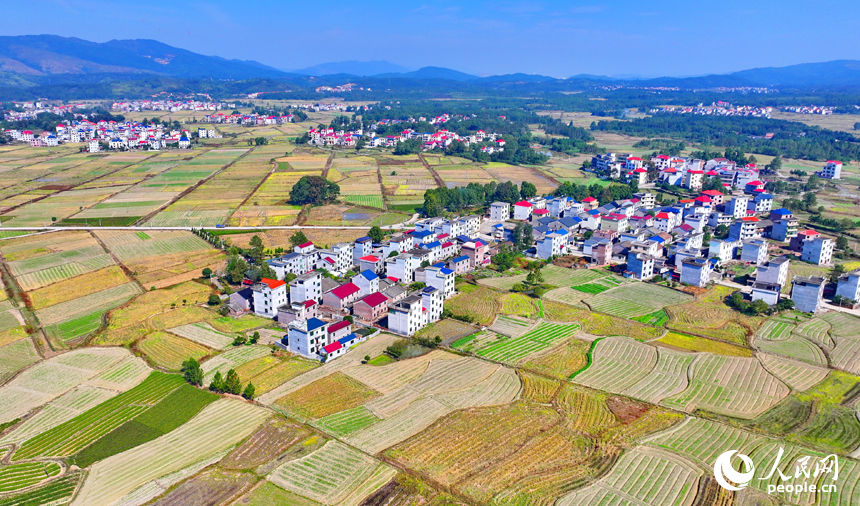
[(272, 283)]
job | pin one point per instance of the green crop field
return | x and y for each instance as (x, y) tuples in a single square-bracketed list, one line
[(345, 422), (58, 492), (364, 200), (174, 410), (70, 437), (514, 349), (657, 318), (776, 330), (591, 288), (18, 476)]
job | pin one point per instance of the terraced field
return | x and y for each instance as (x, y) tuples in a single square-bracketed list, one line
[(514, 349), (332, 474), (204, 334), (71, 436), (231, 359), (635, 299), (18, 476), (169, 351), (617, 363)]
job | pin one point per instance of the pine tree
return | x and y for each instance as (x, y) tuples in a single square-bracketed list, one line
[(232, 384), (217, 384), (249, 392)]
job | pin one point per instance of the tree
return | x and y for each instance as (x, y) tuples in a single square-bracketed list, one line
[(254, 337), (842, 243), (297, 238), (192, 371), (248, 393), (236, 269), (837, 271), (239, 340), (314, 190), (425, 263), (722, 231), (785, 304), (207, 272), (232, 383), (217, 384), (759, 306), (214, 300), (812, 183), (528, 190), (376, 235), (257, 248), (260, 141)]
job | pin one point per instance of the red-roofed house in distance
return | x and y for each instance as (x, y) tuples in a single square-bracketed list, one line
[(715, 196), (639, 175), (523, 210), (304, 248), (590, 203), (539, 213), (796, 243), (369, 262), (269, 294), (371, 307), (341, 297), (831, 170), (752, 186)]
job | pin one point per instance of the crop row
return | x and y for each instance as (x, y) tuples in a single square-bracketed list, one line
[(515, 349), (18, 476)]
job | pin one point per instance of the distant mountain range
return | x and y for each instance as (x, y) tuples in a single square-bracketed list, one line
[(42, 59)]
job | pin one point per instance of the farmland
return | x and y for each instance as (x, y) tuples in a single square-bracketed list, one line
[(517, 348), (709, 316), (343, 393), (169, 351)]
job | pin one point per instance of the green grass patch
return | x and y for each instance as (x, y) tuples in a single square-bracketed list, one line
[(516, 348), (77, 328), (112, 221), (225, 231), (463, 341), (123, 205), (592, 288), (409, 208), (143, 235), (18, 476), (174, 410), (381, 360), (589, 357), (657, 318), (364, 200)]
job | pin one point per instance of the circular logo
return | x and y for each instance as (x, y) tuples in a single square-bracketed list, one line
[(723, 471)]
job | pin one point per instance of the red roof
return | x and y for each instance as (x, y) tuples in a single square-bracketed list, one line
[(332, 347), (345, 290), (662, 216), (375, 299), (447, 244), (640, 170), (329, 260), (541, 211), (697, 172), (750, 218), (712, 173), (272, 283), (663, 157), (671, 170), (808, 232), (686, 201), (703, 198), (370, 258), (828, 161), (758, 190), (334, 327), (634, 158), (523, 203), (711, 192), (589, 199), (309, 303), (755, 183), (305, 245)]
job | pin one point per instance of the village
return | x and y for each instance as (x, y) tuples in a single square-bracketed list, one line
[(400, 284)]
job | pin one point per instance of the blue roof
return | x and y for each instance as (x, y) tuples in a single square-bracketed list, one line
[(657, 239), (439, 264), (781, 210), (346, 339), (764, 196), (464, 238), (461, 258), (423, 233), (315, 323), (434, 244), (369, 274), (446, 271), (594, 212), (363, 239)]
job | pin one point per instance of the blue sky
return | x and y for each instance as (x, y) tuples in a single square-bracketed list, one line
[(558, 38)]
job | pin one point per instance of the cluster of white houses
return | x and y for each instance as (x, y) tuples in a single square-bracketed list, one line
[(112, 134), (313, 307), (430, 140), (717, 109)]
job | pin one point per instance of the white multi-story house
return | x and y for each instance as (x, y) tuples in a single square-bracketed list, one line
[(407, 316), (774, 272), (500, 211), (696, 271), (832, 170), (433, 303), (269, 295), (818, 251), (93, 146), (849, 285), (362, 247), (400, 243), (523, 210), (754, 251), (307, 286), (367, 282), (402, 267), (737, 206), (552, 244), (440, 278), (307, 337)]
